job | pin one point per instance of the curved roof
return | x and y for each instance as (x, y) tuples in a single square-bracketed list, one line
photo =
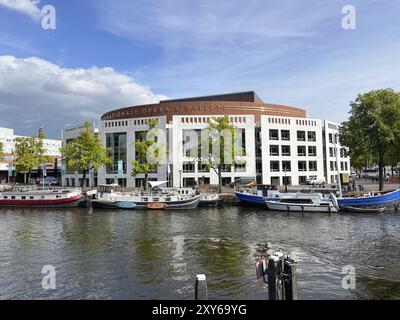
[(241, 103)]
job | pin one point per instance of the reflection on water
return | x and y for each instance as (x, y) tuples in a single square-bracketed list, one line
[(156, 254)]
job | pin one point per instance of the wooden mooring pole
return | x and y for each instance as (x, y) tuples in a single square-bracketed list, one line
[(201, 287), (280, 273)]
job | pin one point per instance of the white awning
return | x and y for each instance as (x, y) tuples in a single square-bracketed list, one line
[(156, 183)]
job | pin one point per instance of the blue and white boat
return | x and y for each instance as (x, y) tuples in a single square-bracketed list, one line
[(258, 196), (372, 200)]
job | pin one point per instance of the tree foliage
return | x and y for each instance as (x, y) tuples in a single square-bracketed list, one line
[(1, 151), (146, 148), (29, 153), (85, 153), (373, 129), (220, 131)]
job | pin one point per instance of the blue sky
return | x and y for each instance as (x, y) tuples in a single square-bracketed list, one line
[(107, 54)]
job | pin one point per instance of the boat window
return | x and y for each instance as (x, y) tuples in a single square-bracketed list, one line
[(297, 201), (13, 197), (42, 197), (23, 198), (155, 199), (5, 197), (31, 197), (168, 199), (145, 199)]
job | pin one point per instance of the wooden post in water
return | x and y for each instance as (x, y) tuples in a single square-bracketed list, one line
[(273, 265), (290, 284), (201, 287)]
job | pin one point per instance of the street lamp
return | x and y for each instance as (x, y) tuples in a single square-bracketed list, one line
[(285, 180), (336, 137)]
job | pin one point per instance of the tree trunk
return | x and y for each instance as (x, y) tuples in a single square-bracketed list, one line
[(84, 180), (381, 166), (220, 179), (146, 178)]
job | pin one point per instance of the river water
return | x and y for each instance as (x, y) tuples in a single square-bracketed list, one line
[(102, 254)]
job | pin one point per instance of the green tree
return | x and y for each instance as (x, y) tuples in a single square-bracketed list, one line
[(392, 157), (220, 135), (149, 153), (1, 151), (85, 153), (373, 128), (28, 153)]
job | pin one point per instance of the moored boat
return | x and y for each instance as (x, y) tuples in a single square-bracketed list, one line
[(299, 202), (257, 196), (372, 200), (108, 198), (52, 198), (209, 200), (364, 210)]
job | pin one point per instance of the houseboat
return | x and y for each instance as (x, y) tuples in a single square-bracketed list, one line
[(108, 197), (52, 198), (310, 202)]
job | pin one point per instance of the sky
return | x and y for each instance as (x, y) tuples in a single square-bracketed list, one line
[(108, 54)]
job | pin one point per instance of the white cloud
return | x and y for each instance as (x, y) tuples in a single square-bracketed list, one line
[(28, 7), (290, 52), (34, 88)]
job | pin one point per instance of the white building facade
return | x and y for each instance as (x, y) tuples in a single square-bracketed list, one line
[(8, 139), (280, 144)]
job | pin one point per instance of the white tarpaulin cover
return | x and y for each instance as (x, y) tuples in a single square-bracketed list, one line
[(156, 183)]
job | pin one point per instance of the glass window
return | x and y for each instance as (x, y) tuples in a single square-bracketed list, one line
[(330, 138), (301, 136), (312, 165), (188, 167), (202, 167), (286, 166), (274, 166), (274, 150), (241, 140), (287, 181), (285, 135), (285, 150), (275, 181), (273, 134), (302, 179), (311, 136), (312, 151), (240, 167), (302, 166), (301, 151), (226, 167), (116, 142)]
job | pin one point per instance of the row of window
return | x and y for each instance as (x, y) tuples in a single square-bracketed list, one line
[(288, 180), (189, 167), (344, 166), (311, 123), (285, 135), (343, 152), (116, 124), (28, 198), (275, 166), (285, 151), (207, 119)]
